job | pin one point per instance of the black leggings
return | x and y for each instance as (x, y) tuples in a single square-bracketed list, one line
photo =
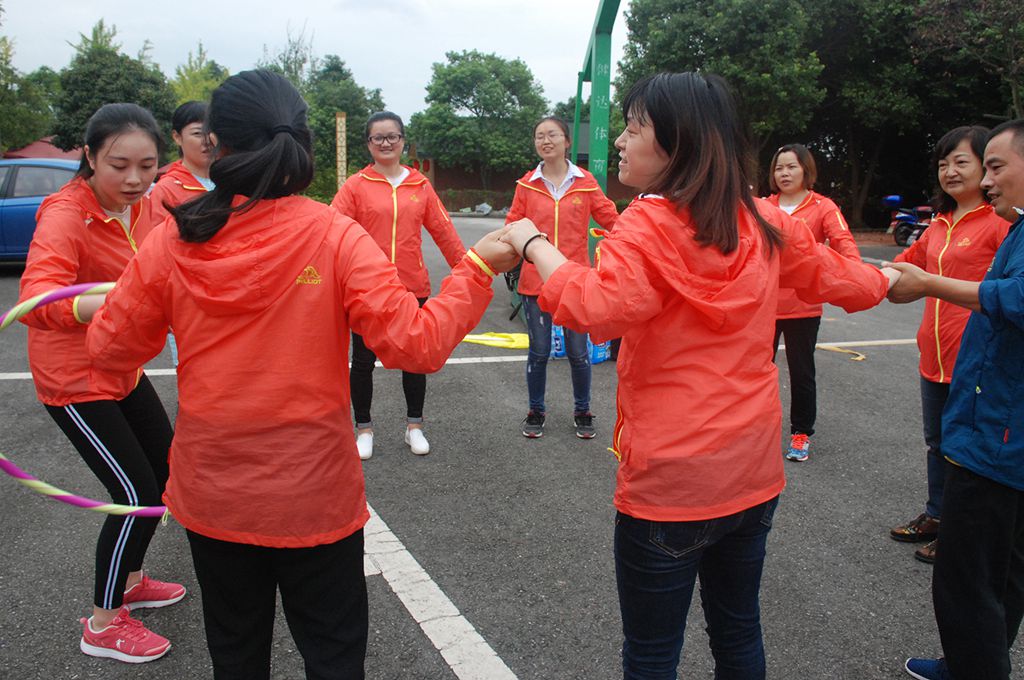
[(125, 444), (360, 380), (801, 337)]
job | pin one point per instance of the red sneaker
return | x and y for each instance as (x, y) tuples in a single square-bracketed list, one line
[(152, 593), (125, 639)]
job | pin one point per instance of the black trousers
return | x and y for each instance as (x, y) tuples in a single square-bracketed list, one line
[(801, 336), (125, 444), (978, 582), (323, 594), (360, 381)]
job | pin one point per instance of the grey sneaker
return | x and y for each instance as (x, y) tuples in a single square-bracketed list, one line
[(533, 425), (585, 425)]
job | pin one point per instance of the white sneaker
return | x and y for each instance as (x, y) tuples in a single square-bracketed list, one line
[(416, 441), (364, 443)]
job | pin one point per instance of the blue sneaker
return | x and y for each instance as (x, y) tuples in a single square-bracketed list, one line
[(927, 669), (799, 445)]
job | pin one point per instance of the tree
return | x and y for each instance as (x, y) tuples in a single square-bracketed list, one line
[(481, 113), (296, 61), (330, 89), (986, 32), (24, 110), (100, 74), (197, 78), (759, 46)]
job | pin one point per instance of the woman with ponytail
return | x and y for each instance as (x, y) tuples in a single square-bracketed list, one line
[(263, 287)]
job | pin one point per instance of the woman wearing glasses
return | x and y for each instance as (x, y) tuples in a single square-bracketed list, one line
[(560, 199), (392, 202)]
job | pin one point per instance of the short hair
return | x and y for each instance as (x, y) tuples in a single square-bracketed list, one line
[(112, 120), (384, 115), (188, 113), (1016, 127), (803, 157), (978, 136), (557, 120)]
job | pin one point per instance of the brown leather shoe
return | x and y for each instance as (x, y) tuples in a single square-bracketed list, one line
[(919, 530), (926, 553)]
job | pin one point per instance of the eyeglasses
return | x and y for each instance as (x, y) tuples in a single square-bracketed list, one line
[(378, 140), (552, 136)]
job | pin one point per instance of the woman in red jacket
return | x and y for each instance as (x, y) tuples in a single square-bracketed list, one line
[(560, 199), (792, 177), (262, 287), (393, 202), (690, 279), (86, 232), (189, 176), (960, 242)]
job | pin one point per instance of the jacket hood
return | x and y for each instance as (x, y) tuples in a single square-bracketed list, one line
[(724, 289), (415, 176), (255, 257), (77, 195)]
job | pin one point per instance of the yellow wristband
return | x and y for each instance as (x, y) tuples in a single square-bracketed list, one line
[(74, 309), (480, 262)]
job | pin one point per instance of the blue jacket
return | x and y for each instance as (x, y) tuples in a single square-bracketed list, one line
[(983, 423)]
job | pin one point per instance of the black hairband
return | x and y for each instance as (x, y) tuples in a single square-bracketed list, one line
[(277, 129)]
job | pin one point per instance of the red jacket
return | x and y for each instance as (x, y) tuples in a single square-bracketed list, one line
[(264, 451), (393, 216), (177, 186), (699, 417), (75, 242), (826, 222), (565, 221), (963, 249)]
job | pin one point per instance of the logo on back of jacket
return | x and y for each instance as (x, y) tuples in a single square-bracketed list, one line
[(309, 276)]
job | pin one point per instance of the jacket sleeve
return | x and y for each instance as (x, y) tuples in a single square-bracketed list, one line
[(382, 310), (345, 200), (518, 209), (820, 274), (917, 253), (604, 211), (605, 301), (131, 326), (157, 196), (53, 262), (1002, 301), (838, 233), (441, 229)]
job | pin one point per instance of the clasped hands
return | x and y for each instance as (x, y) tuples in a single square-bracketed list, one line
[(503, 248)]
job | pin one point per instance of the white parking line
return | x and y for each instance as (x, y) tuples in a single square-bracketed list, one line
[(467, 653)]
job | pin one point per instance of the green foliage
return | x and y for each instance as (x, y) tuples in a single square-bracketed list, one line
[(25, 115), (100, 38), (481, 113), (296, 61), (99, 74), (567, 110), (197, 78), (332, 89), (759, 46)]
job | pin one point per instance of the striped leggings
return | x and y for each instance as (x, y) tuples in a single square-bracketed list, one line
[(125, 444)]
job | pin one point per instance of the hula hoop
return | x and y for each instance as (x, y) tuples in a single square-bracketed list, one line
[(12, 315)]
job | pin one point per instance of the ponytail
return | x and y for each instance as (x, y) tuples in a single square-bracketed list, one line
[(264, 148)]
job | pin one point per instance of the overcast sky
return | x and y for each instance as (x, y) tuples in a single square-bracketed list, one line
[(389, 44)]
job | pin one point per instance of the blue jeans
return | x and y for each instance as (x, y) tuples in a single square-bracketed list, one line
[(933, 400), (656, 565), (538, 326)]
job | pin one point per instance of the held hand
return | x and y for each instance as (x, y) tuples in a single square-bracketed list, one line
[(498, 253), (892, 274), (519, 232), (88, 305), (911, 285)]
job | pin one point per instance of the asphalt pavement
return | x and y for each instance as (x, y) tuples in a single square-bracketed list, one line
[(517, 533)]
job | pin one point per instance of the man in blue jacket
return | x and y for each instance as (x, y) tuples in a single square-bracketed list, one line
[(978, 583)]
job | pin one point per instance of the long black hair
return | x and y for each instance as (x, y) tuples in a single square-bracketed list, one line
[(978, 137), (710, 169), (264, 147), (111, 120)]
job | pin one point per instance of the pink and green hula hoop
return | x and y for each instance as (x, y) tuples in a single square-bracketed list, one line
[(12, 315)]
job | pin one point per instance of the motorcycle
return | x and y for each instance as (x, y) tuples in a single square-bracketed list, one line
[(907, 224)]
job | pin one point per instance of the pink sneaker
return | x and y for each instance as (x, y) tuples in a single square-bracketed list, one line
[(125, 639), (152, 593)]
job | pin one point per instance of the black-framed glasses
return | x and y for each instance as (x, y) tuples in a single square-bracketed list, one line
[(378, 140)]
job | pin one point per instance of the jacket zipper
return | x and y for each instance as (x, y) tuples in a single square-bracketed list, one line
[(949, 239)]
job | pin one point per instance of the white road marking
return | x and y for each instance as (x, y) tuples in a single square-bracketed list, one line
[(467, 653)]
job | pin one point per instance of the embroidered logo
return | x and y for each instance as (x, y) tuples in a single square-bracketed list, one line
[(309, 276), (965, 241), (414, 198), (576, 200)]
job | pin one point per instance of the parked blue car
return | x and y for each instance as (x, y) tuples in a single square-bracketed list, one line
[(24, 183)]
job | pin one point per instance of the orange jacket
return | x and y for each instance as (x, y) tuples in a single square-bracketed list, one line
[(75, 242), (264, 451), (963, 249), (826, 222), (177, 186), (565, 220), (393, 216), (699, 417)]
